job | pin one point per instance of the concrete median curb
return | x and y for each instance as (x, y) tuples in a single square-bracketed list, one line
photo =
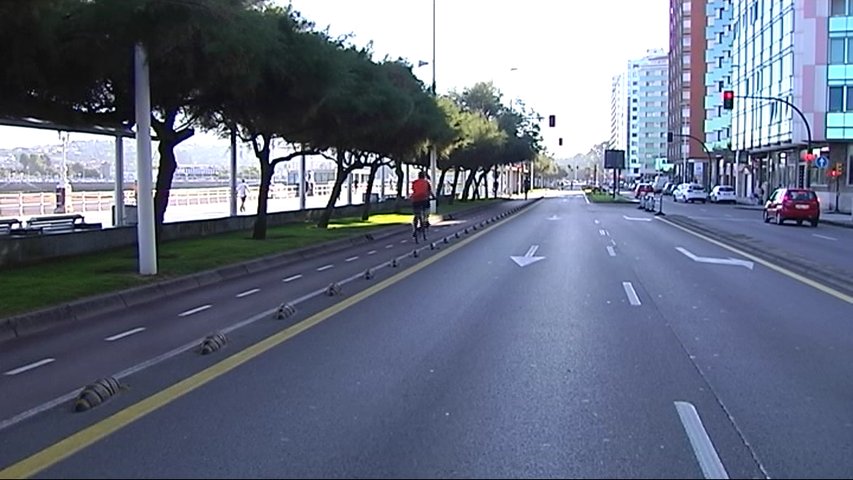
[(837, 223), (82, 309), (826, 274)]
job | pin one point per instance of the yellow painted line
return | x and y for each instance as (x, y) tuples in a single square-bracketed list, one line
[(784, 271), (84, 438)]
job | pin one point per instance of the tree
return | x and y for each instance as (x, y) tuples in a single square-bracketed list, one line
[(289, 72)]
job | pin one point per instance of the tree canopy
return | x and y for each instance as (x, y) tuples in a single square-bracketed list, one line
[(262, 71)]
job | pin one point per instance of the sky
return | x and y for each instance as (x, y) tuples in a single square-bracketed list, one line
[(564, 52)]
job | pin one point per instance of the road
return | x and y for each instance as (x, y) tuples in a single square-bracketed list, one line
[(600, 350), (826, 244)]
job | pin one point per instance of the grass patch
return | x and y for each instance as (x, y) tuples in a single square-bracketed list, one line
[(607, 198), (52, 283)]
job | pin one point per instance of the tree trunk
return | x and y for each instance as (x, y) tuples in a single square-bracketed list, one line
[(455, 184), (342, 173), (398, 169), (469, 180), (484, 180), (169, 139), (260, 231), (441, 182), (365, 213)]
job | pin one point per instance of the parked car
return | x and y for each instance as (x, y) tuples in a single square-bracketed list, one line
[(690, 192), (643, 188), (723, 193), (798, 204), (669, 187)]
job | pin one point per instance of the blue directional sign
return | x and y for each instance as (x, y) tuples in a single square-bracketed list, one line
[(821, 162)]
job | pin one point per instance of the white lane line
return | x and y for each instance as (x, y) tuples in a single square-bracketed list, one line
[(703, 448), (403, 241), (325, 267), (248, 292), (632, 294), (128, 333), (290, 279), (824, 237), (372, 252), (610, 251), (602, 233), (586, 198), (352, 259), (31, 366), (194, 311), (389, 246)]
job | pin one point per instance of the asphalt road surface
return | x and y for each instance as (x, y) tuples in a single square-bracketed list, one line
[(570, 340)]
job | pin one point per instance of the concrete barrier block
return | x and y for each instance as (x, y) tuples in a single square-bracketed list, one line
[(90, 307), (142, 295), (231, 271), (179, 285), (207, 278), (41, 320), (7, 330)]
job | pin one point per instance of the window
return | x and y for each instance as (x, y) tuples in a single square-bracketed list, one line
[(849, 99), (849, 171), (838, 8), (836, 99)]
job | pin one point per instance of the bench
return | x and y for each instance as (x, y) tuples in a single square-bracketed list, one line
[(8, 225), (60, 224)]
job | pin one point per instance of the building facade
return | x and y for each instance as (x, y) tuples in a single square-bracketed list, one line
[(619, 113), (647, 86), (686, 107), (718, 78), (797, 52)]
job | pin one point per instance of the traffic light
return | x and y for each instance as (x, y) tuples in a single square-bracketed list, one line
[(552, 121), (728, 99), (668, 137)]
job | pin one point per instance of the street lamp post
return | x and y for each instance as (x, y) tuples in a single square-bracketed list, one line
[(669, 137), (433, 154)]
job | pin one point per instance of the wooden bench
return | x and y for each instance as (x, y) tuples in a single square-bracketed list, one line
[(9, 225)]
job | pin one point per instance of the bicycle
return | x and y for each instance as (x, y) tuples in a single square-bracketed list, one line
[(420, 223)]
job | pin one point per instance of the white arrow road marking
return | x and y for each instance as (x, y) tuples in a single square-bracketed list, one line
[(602, 232), (716, 261), (610, 251), (31, 366), (636, 219), (632, 294), (128, 333), (703, 448), (528, 257)]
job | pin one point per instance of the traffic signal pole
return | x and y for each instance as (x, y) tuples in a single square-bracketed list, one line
[(809, 155)]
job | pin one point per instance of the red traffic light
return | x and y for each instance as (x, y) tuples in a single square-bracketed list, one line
[(728, 99), (809, 157)]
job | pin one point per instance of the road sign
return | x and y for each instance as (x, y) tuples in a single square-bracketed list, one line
[(821, 162)]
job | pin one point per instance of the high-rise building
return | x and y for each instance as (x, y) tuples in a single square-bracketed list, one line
[(798, 56), (686, 108), (647, 87), (619, 113)]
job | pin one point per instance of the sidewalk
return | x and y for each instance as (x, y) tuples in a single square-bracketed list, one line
[(827, 217)]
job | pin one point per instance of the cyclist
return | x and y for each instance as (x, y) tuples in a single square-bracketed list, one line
[(421, 194)]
